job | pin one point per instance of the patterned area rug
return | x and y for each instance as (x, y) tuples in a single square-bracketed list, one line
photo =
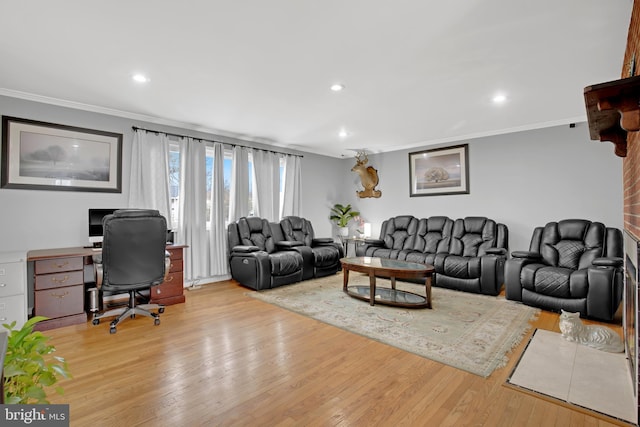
[(467, 331)]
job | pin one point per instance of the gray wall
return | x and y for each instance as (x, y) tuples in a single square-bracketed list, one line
[(522, 179), (34, 219)]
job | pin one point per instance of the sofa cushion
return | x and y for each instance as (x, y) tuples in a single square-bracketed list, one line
[(284, 263), (399, 232), (256, 231), (472, 236), (432, 234), (572, 243)]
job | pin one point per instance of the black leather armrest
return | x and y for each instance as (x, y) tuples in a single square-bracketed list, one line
[(497, 251), (245, 249), (374, 242), (288, 244), (322, 241), (608, 262), (526, 254)]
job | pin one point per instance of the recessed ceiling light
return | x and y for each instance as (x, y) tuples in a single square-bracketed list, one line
[(343, 133), (499, 98), (337, 87), (140, 78)]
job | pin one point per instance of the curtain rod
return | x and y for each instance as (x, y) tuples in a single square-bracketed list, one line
[(211, 140)]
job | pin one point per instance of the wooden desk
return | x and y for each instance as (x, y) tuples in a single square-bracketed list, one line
[(57, 278)]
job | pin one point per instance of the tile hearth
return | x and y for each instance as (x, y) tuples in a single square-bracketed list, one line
[(576, 374)]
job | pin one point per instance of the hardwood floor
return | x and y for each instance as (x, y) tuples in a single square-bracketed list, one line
[(223, 358)]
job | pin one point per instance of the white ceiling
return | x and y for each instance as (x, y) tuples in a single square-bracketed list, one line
[(416, 72)]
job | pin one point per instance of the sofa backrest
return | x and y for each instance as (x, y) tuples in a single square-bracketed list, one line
[(399, 232), (472, 236), (254, 231), (575, 243), (297, 229), (433, 234)]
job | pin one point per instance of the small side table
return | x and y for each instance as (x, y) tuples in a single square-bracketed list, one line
[(353, 242)]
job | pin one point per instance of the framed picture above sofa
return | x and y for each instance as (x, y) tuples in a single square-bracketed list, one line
[(439, 171)]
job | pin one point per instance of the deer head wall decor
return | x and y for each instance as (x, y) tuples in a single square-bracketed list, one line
[(368, 176)]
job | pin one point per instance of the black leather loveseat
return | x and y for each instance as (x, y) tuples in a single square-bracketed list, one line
[(264, 255), (468, 253)]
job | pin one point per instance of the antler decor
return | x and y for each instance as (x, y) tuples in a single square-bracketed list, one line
[(368, 176)]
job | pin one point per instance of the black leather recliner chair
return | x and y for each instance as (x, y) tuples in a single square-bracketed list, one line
[(321, 255), (574, 265), (257, 259)]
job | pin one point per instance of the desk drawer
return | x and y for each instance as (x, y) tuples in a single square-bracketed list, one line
[(68, 278), (60, 302), (175, 253), (12, 278), (55, 265), (172, 286), (176, 265)]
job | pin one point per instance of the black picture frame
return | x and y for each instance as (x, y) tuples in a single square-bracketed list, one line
[(439, 171), (48, 156)]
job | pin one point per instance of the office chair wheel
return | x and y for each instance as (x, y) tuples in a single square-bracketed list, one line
[(161, 310), (112, 330), (96, 321), (156, 321)]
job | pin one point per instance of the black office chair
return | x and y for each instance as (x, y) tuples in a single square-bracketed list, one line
[(133, 259)]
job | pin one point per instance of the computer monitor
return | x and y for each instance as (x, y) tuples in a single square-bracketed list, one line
[(95, 224)]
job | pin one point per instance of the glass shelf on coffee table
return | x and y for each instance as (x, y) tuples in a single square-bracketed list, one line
[(391, 269)]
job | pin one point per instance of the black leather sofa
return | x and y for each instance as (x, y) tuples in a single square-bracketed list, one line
[(264, 255), (468, 253), (575, 265)]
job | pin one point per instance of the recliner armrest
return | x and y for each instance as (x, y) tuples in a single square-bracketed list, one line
[(608, 262), (288, 244), (526, 254), (245, 249), (374, 242), (497, 251), (322, 241)]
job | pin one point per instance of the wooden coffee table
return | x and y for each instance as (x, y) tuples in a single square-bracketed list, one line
[(391, 269)]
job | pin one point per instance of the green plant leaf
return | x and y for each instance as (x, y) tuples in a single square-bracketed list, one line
[(26, 371)]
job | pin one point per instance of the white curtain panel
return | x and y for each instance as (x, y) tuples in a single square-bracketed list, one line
[(239, 192), (218, 233), (266, 166), (291, 199), (192, 229), (149, 180)]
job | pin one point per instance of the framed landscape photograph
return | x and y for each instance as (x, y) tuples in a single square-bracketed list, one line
[(439, 171), (48, 156)]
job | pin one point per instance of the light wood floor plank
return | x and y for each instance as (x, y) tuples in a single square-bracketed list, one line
[(223, 358)]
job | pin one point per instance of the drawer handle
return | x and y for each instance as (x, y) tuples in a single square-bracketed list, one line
[(2, 319), (2, 272), (170, 278), (3, 285), (60, 295), (56, 280), (64, 264)]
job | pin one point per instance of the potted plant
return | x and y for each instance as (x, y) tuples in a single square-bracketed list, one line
[(26, 371), (341, 215)]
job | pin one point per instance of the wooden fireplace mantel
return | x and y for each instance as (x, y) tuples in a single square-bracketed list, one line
[(613, 109)]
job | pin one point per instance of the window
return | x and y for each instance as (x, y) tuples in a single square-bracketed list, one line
[(174, 183)]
